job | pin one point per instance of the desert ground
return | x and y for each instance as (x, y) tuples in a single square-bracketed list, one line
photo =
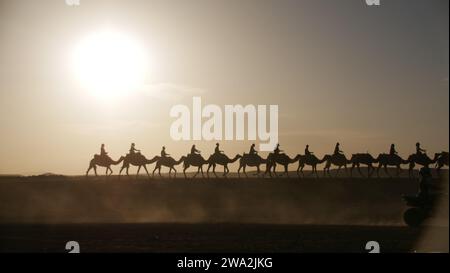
[(108, 214)]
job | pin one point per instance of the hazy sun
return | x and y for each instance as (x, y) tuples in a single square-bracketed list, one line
[(109, 64)]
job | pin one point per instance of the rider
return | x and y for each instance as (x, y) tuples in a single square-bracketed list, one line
[(307, 152), (337, 150), (103, 151), (277, 149), (392, 151), (217, 150), (163, 152), (133, 149), (419, 150), (252, 150), (194, 151)]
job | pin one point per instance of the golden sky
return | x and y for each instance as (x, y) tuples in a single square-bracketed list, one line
[(338, 70)]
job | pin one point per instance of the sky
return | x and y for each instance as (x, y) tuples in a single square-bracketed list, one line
[(338, 70)]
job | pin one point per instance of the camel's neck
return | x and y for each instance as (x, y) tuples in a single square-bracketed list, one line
[(179, 161), (234, 159), (118, 161), (153, 160)]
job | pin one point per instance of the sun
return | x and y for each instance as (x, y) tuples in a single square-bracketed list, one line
[(109, 64)]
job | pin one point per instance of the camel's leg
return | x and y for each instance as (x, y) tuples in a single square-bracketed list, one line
[(351, 169), (154, 170), (378, 170), (386, 170), (209, 167), (145, 168), (174, 172), (198, 171), (201, 169), (159, 172), (359, 170), (110, 171), (369, 170), (184, 171), (137, 173), (337, 172), (239, 170), (95, 170), (245, 172), (411, 169), (286, 170), (91, 165)]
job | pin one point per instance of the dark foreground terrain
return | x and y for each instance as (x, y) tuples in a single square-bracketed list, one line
[(40, 214), (215, 238)]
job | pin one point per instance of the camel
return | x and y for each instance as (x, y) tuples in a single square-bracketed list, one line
[(138, 160), (282, 159), (335, 159), (167, 162), (220, 159), (421, 159), (102, 161), (442, 160), (195, 160), (385, 160), (310, 160), (366, 159), (248, 160)]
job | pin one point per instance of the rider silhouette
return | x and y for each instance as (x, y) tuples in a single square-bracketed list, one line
[(163, 152), (102, 150), (337, 150), (419, 150), (307, 152), (217, 150), (133, 149), (277, 149), (194, 151), (252, 150), (392, 151)]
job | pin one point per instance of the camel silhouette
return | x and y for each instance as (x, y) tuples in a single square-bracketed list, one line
[(220, 159), (420, 159), (363, 158), (385, 160), (195, 160), (310, 160), (103, 161), (167, 162), (138, 160), (282, 159), (338, 160), (442, 160), (250, 160)]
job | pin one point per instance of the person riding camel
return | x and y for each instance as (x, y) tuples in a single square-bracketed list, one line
[(133, 150), (163, 152), (307, 152), (337, 151), (277, 150), (194, 151), (253, 150), (103, 151), (217, 150), (392, 151), (419, 150)]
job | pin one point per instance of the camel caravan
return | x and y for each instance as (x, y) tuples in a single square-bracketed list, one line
[(277, 157)]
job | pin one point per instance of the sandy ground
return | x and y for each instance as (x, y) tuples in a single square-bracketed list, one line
[(40, 214)]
